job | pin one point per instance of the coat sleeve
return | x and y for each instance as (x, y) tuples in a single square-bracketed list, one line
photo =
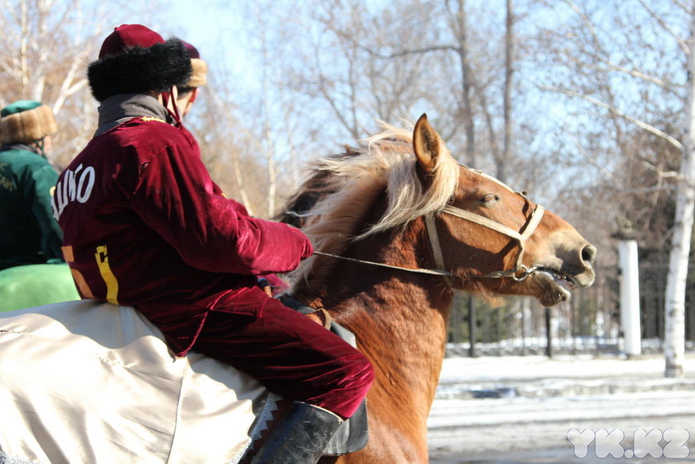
[(176, 196)]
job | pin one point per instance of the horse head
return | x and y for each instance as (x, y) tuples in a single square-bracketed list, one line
[(497, 240)]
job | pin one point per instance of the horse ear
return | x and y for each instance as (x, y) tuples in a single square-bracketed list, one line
[(427, 144)]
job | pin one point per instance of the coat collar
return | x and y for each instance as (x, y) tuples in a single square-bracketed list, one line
[(18, 147), (118, 109)]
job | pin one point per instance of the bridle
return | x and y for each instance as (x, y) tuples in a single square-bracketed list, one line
[(520, 271)]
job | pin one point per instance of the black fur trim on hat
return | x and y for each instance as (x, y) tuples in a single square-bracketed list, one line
[(140, 70)]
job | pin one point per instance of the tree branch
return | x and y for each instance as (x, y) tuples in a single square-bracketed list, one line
[(660, 21), (617, 112), (415, 51)]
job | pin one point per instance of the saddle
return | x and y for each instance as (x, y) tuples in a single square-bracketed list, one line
[(85, 381)]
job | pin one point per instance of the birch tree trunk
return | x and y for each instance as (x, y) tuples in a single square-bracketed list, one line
[(674, 336), (508, 85), (268, 143)]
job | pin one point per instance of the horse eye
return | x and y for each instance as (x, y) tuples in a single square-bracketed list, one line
[(489, 199)]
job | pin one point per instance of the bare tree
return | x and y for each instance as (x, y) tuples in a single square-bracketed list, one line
[(221, 144), (458, 22), (254, 134), (615, 71), (46, 47), (674, 335), (417, 55), (268, 135), (509, 64)]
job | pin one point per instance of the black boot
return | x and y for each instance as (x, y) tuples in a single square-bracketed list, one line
[(300, 437)]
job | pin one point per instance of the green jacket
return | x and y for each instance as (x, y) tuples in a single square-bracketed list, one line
[(28, 232)]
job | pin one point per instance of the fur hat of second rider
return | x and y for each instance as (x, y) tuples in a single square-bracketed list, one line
[(136, 59), (26, 121), (200, 67)]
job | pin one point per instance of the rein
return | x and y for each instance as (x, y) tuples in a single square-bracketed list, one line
[(520, 271), (389, 266)]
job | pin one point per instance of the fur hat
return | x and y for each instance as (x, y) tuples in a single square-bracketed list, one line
[(200, 68), (135, 59), (25, 121)]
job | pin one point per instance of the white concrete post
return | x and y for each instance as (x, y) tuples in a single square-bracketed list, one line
[(629, 297)]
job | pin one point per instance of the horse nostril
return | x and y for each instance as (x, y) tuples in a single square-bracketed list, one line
[(589, 254)]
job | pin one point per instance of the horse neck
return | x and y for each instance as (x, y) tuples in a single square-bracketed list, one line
[(399, 318)]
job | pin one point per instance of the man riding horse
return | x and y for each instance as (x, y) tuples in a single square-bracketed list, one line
[(144, 225)]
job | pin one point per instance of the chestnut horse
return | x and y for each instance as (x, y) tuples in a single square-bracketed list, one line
[(402, 201)]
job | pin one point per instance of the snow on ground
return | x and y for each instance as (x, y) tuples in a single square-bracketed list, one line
[(520, 409), (535, 367)]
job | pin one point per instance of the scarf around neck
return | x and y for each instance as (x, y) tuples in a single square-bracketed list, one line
[(118, 109)]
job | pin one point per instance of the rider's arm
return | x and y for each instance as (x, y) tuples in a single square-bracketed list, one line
[(176, 197)]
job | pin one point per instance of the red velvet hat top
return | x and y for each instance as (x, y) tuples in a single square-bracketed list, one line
[(127, 36), (192, 51)]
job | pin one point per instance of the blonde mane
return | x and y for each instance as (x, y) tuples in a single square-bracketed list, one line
[(385, 161)]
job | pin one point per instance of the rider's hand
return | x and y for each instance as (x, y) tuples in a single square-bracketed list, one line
[(264, 285)]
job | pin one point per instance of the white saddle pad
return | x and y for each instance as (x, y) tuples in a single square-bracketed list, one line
[(89, 382)]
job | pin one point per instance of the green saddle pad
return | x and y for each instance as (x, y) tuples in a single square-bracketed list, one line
[(36, 285)]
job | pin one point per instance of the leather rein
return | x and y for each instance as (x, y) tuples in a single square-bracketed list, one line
[(519, 272)]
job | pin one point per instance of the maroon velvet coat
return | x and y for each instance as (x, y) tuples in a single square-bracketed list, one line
[(144, 225)]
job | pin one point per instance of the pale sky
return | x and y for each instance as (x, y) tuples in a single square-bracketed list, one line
[(214, 27)]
